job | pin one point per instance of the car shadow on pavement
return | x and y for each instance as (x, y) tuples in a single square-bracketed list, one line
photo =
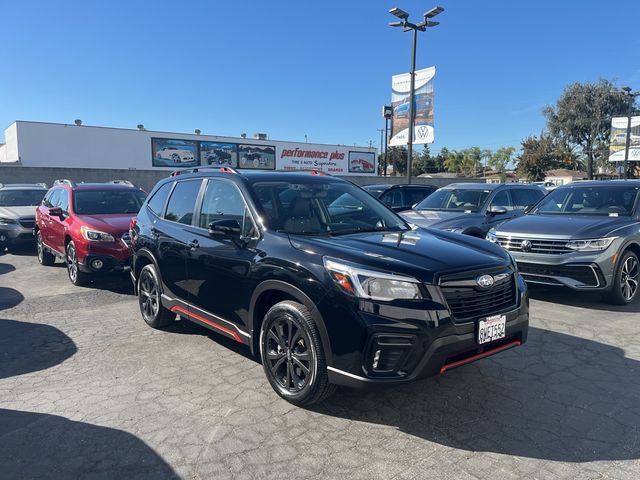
[(30, 347), (9, 298), (590, 300), (559, 398), (185, 327), (6, 268), (35, 445), (117, 282)]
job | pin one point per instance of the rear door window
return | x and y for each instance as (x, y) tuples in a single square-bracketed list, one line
[(502, 199), (156, 203), (182, 202)]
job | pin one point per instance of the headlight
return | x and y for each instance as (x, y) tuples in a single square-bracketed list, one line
[(370, 284), (6, 221), (491, 236), (96, 235), (590, 245)]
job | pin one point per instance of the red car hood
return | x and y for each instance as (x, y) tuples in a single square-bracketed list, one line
[(115, 223)]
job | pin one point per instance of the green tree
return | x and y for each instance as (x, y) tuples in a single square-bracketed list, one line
[(453, 162), (539, 154), (582, 117), (500, 159), (421, 162)]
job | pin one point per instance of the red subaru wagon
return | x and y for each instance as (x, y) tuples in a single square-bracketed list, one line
[(87, 225)]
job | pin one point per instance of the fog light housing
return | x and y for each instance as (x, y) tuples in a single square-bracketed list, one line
[(97, 264)]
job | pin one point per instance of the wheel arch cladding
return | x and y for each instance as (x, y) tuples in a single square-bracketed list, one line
[(270, 292)]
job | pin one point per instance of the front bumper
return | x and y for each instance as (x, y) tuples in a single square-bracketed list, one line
[(16, 234), (398, 350), (576, 270), (113, 256)]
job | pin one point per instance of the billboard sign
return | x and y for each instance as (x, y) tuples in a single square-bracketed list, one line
[(362, 162), (330, 159), (618, 139), (259, 157), (219, 154), (423, 107), (169, 152)]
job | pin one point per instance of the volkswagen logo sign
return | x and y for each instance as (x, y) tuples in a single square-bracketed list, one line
[(526, 245), (485, 281)]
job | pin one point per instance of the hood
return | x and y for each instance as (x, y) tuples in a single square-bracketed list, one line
[(116, 223), (440, 218), (15, 212), (418, 253), (563, 226)]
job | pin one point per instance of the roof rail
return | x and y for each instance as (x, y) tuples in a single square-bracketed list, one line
[(184, 171), (64, 181), (122, 182), (40, 184)]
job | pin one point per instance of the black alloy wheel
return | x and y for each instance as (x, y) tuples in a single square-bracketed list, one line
[(625, 280), (149, 299), (292, 354)]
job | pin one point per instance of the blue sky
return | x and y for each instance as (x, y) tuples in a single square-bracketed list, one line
[(291, 68)]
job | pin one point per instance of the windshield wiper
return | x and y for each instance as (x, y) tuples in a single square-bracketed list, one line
[(348, 231)]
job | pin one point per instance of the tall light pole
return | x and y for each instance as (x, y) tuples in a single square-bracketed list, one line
[(627, 142), (381, 130), (387, 113), (413, 27)]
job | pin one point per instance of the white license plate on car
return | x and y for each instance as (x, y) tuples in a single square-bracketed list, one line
[(492, 328)]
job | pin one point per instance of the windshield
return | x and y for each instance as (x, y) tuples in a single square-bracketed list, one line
[(592, 200), (311, 208), (105, 202), (456, 200), (21, 198)]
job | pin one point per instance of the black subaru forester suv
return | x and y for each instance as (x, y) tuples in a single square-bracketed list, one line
[(320, 279)]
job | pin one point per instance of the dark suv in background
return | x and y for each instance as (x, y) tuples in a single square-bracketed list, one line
[(473, 208), (325, 294), (585, 236), (400, 197)]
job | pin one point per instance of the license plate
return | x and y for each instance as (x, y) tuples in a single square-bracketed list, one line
[(492, 328)]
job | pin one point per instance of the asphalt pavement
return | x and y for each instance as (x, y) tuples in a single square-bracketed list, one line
[(87, 390)]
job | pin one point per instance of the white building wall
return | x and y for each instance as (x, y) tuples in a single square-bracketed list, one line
[(9, 151), (61, 145)]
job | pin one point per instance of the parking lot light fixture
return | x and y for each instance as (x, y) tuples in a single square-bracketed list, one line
[(415, 28)]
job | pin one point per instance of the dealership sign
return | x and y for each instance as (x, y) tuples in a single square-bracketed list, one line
[(423, 107), (618, 140), (336, 160)]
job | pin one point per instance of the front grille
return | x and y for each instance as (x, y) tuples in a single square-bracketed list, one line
[(468, 302), (538, 245), (545, 273), (27, 222)]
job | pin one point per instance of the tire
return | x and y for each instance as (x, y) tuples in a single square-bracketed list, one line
[(77, 277), (44, 257), (297, 373), (625, 280), (176, 158), (153, 313)]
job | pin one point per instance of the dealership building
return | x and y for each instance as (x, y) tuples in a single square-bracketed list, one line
[(40, 144)]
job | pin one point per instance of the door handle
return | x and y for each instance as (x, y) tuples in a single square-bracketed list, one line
[(193, 245)]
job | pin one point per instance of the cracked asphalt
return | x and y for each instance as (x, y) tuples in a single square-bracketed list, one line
[(87, 390)]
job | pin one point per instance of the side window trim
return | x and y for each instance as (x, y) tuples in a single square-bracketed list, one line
[(195, 207)]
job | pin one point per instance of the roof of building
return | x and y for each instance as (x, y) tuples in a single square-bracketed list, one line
[(565, 172)]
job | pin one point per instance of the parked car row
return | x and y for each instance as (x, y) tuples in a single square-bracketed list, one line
[(326, 283)]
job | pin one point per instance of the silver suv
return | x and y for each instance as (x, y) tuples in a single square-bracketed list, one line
[(18, 202), (584, 236)]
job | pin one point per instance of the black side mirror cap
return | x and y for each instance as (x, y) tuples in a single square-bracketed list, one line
[(227, 228)]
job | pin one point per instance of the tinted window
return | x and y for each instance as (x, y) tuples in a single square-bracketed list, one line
[(52, 198), (108, 202), (525, 197), (183, 201), (392, 198), (156, 203), (415, 195), (458, 199), (502, 199), (223, 201), (314, 208), (591, 200), (63, 201), (20, 198)]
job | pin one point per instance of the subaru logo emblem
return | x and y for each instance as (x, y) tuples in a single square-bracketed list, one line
[(526, 245), (485, 281)]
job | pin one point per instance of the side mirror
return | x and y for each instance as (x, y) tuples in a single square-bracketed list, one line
[(496, 210), (55, 212), (229, 228)]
